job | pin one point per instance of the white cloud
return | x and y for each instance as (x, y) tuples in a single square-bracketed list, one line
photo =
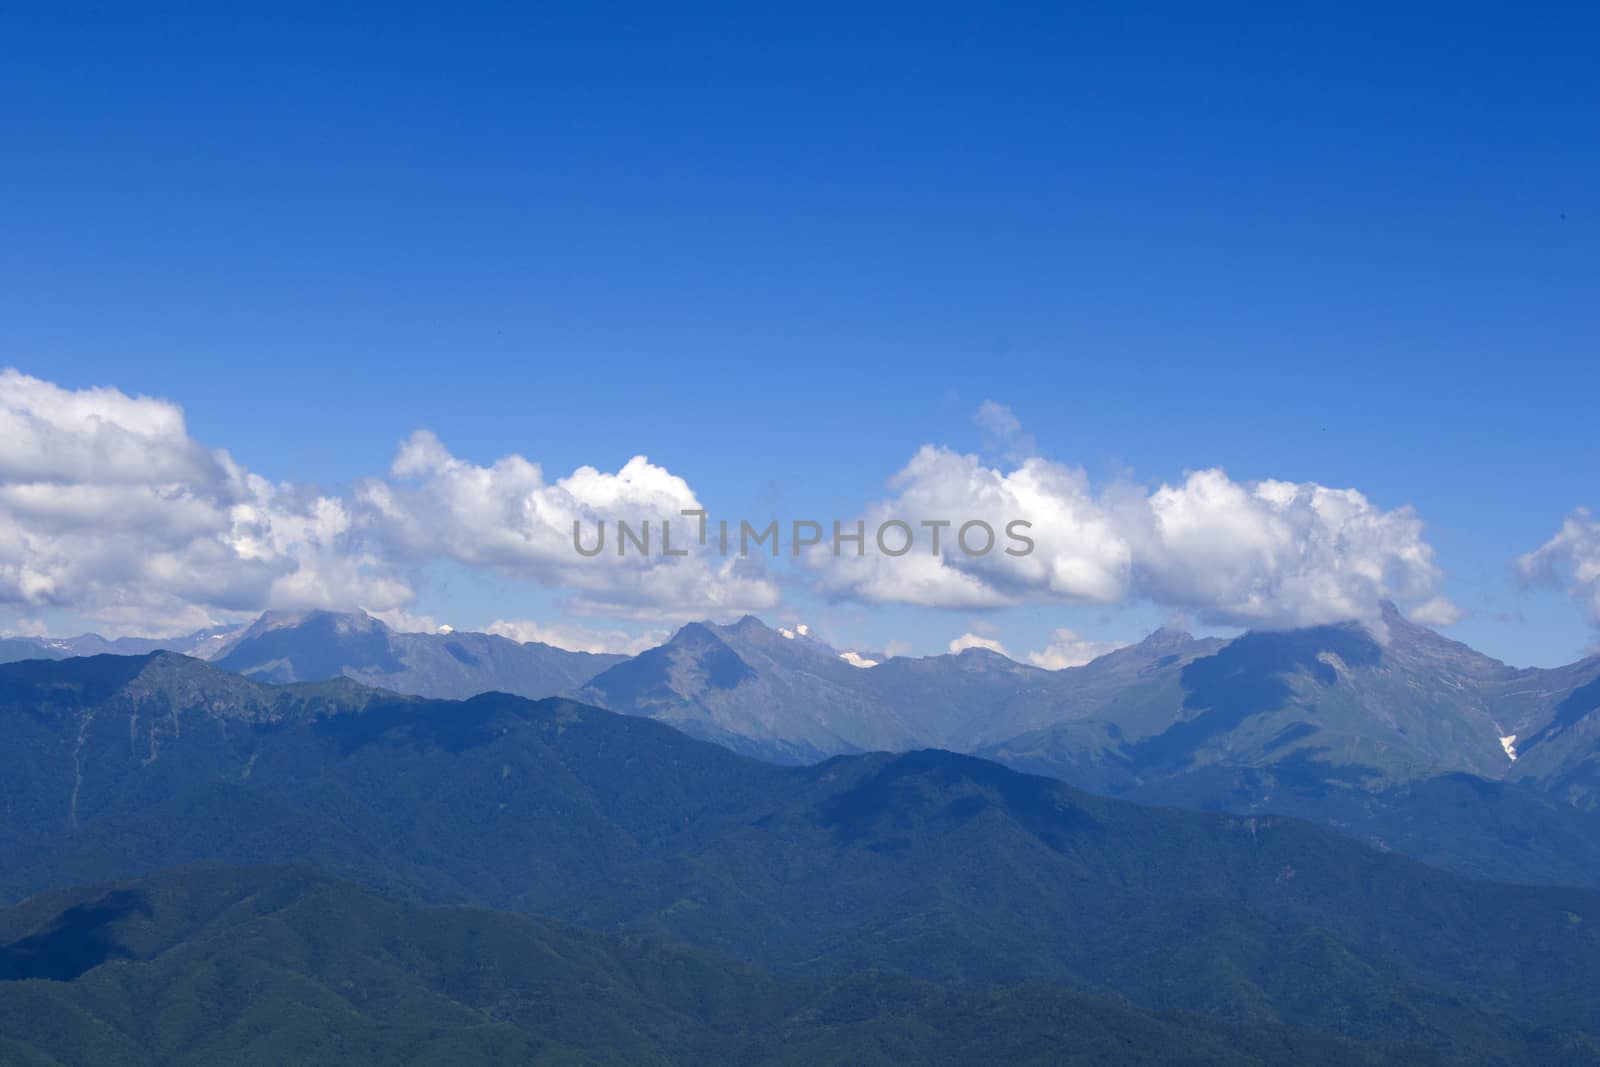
[(856, 659), (1275, 553), (576, 638), (110, 510), (1079, 553), (1570, 559), (1440, 611), (1261, 554), (1067, 649), (94, 436), (971, 640), (506, 516)]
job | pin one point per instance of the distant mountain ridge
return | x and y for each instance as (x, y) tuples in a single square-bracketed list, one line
[(1374, 707), (317, 645), (795, 699), (202, 644), (1393, 734), (1328, 708), (1399, 705), (1342, 724), (313, 646)]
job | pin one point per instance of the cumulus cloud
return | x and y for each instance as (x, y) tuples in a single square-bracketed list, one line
[(94, 436), (1068, 649), (971, 640), (109, 509), (1570, 560), (510, 518), (1079, 553), (1276, 553), (1261, 554)]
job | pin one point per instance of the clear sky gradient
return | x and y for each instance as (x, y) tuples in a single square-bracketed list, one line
[(778, 249)]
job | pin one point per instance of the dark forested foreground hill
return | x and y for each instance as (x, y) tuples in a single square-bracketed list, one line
[(275, 966), (929, 864)]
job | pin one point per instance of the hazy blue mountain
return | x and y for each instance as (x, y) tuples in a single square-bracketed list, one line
[(1326, 707), (277, 966), (318, 645), (793, 698), (1392, 734), (931, 864), (1555, 718), (1370, 707), (203, 644), (756, 691), (979, 697), (13, 649), (1394, 739)]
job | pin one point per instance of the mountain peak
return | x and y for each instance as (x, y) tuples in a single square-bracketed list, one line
[(749, 625), (1405, 638), (696, 633), (979, 655), (1166, 637), (341, 621), (173, 672), (90, 679)]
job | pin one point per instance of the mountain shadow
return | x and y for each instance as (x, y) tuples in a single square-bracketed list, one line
[(79, 940)]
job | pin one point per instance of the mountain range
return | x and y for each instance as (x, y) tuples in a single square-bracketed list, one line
[(1369, 705), (203, 644), (929, 865), (1392, 734), (315, 646), (787, 696), (319, 645)]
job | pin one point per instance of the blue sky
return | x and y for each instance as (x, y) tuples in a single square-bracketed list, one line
[(777, 252)]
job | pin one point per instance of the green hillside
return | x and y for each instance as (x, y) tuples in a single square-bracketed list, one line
[(274, 966)]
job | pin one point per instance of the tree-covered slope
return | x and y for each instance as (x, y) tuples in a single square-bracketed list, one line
[(273, 966)]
